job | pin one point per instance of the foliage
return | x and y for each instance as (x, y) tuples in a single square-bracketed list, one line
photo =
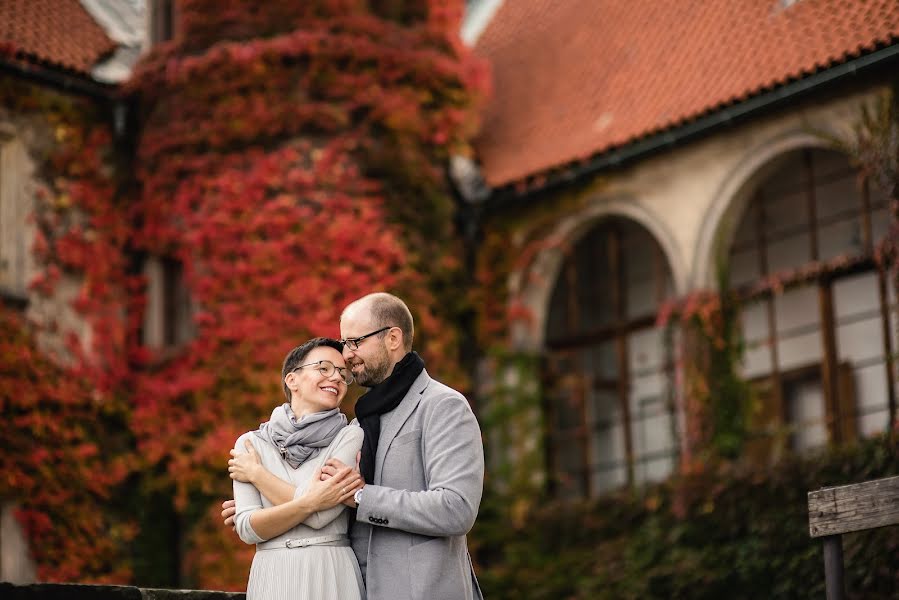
[(61, 463), (290, 156), (511, 242), (67, 449), (873, 144), (717, 397), (728, 533)]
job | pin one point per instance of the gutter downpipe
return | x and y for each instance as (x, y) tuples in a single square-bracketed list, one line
[(729, 115)]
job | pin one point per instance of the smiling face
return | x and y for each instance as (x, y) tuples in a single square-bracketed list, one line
[(370, 361), (312, 392)]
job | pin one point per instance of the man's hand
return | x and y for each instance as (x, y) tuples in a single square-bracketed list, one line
[(337, 488), (333, 466), (228, 510), (244, 467)]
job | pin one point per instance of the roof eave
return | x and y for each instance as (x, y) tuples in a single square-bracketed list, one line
[(63, 80), (541, 182)]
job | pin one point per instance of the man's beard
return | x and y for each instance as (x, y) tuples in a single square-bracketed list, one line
[(374, 372)]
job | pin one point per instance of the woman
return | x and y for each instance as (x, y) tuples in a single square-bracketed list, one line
[(299, 526)]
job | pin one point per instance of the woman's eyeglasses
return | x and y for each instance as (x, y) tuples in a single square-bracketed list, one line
[(327, 368)]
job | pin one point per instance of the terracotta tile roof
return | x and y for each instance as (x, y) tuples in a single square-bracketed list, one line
[(55, 33), (573, 79)]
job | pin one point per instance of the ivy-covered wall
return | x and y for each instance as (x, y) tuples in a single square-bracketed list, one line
[(67, 446), (291, 157)]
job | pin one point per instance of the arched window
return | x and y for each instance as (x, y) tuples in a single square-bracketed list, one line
[(819, 350), (608, 403)]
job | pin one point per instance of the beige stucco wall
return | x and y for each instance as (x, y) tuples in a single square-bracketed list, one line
[(16, 564), (687, 198), (23, 139)]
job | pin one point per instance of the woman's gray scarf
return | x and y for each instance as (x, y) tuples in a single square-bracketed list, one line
[(300, 440)]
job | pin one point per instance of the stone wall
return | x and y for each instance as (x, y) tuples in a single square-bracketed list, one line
[(71, 591), (16, 564)]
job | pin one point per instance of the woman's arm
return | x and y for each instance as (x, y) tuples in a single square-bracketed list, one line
[(247, 468), (345, 450), (256, 524), (320, 495)]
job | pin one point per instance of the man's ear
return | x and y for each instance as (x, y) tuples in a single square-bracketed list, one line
[(395, 338)]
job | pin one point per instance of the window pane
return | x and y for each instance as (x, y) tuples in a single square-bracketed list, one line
[(860, 340), (789, 253), (744, 267), (837, 195), (643, 280), (843, 238), (871, 390), (805, 403), (856, 295), (796, 308), (757, 355), (651, 419), (785, 212), (607, 442)]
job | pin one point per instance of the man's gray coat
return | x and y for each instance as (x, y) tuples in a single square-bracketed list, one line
[(409, 534)]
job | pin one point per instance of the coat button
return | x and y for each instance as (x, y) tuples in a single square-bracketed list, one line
[(372, 519), (386, 521)]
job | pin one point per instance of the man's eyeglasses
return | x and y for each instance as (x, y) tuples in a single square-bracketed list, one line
[(353, 343), (327, 368)]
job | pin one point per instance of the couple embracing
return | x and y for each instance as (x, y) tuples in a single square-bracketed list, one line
[(395, 527)]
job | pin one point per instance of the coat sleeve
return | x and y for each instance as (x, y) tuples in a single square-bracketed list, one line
[(345, 450), (453, 461)]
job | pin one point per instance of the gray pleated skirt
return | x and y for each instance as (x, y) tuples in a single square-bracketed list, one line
[(313, 573)]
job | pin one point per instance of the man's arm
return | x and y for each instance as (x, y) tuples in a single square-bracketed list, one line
[(453, 460)]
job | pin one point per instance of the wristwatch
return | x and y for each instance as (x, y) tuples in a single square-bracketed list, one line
[(357, 496)]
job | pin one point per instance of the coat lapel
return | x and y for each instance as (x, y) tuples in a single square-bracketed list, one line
[(395, 420)]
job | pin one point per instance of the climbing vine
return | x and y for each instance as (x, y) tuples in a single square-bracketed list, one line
[(290, 157), (291, 162), (66, 441)]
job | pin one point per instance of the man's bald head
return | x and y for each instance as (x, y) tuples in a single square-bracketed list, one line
[(384, 310)]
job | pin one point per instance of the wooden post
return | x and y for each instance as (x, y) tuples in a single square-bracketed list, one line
[(837, 510), (833, 567)]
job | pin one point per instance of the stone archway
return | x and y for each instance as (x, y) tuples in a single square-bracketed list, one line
[(533, 286)]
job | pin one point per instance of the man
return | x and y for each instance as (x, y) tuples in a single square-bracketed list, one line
[(422, 461)]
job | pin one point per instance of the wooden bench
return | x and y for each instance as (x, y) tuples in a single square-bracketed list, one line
[(834, 511)]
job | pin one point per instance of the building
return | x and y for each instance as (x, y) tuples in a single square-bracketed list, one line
[(61, 62), (627, 149), (637, 144)]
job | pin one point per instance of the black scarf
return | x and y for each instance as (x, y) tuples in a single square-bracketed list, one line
[(380, 399)]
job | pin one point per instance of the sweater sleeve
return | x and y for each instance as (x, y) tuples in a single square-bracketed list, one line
[(247, 500), (345, 449)]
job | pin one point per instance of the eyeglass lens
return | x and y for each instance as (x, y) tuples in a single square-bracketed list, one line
[(327, 369)]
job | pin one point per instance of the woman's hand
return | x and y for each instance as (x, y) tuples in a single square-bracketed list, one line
[(335, 490), (245, 467)]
